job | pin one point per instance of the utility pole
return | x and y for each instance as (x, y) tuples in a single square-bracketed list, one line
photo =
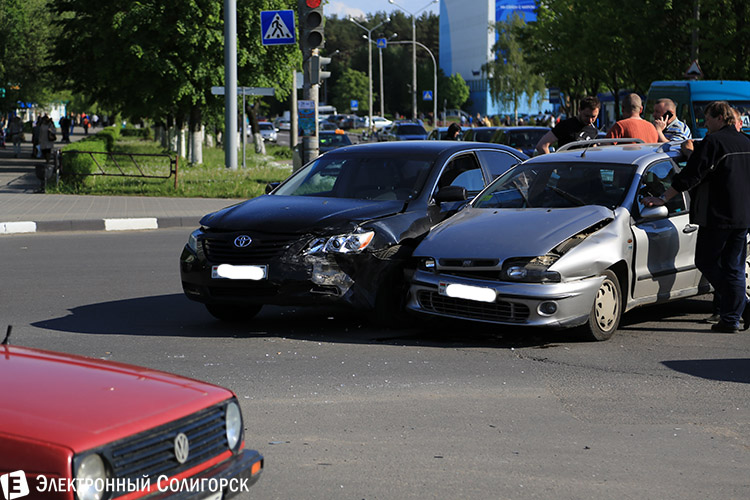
[(230, 84)]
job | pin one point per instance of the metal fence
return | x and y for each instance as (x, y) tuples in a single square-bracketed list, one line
[(115, 164)]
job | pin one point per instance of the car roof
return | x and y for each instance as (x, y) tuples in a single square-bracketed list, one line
[(423, 147), (621, 153)]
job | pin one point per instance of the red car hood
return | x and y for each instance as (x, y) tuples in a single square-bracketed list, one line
[(82, 403)]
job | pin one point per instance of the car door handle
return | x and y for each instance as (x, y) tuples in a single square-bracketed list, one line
[(689, 228)]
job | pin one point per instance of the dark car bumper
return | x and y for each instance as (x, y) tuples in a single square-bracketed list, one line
[(230, 478), (351, 280)]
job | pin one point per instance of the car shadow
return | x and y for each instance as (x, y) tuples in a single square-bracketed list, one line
[(175, 315), (722, 370)]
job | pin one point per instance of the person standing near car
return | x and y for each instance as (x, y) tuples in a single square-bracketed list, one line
[(454, 132), (718, 175), (579, 128), (632, 125), (667, 125)]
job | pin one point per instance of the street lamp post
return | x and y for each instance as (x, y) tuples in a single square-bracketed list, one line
[(414, 52), (380, 57), (434, 79), (369, 62)]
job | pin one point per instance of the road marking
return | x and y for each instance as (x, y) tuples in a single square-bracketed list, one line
[(130, 224)]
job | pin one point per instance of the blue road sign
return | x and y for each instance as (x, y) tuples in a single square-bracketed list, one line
[(382, 42), (354, 104), (427, 95), (277, 27)]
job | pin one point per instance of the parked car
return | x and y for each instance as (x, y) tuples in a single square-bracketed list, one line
[(267, 131), (522, 138), (329, 140), (441, 134), (562, 241), (282, 124), (338, 230), (113, 430), (406, 131), (379, 123), (479, 134)]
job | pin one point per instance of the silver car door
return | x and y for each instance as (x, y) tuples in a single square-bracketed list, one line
[(664, 250)]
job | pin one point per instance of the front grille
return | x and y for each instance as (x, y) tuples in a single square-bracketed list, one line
[(151, 453), (500, 310), (264, 247), (486, 274)]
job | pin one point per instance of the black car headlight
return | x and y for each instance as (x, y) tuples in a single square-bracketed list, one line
[(91, 476), (353, 242), (233, 424), (192, 242), (530, 270)]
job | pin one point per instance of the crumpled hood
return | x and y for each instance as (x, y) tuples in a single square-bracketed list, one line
[(297, 214), (482, 233)]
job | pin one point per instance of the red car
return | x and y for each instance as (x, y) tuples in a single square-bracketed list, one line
[(79, 428)]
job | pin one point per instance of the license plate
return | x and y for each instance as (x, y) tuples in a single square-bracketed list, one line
[(458, 291), (232, 272)]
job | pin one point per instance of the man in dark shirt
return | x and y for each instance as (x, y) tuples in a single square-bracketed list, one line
[(579, 128), (718, 175)]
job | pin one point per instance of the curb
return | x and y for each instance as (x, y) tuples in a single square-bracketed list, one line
[(123, 224)]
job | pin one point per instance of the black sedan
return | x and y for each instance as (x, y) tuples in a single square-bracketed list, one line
[(339, 230)]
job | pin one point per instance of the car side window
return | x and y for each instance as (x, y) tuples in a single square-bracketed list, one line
[(463, 171), (655, 181), (497, 162)]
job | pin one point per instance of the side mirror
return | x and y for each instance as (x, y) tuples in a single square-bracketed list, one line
[(271, 186), (450, 193), (653, 213)]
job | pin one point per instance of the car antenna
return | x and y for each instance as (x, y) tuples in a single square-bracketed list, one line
[(7, 335)]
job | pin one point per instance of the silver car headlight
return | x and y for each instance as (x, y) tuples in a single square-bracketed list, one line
[(89, 471), (353, 242), (530, 270), (233, 424)]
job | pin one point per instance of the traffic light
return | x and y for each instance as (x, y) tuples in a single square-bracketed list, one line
[(317, 74), (311, 22), (2, 92)]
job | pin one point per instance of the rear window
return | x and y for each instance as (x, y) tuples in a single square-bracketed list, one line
[(411, 130)]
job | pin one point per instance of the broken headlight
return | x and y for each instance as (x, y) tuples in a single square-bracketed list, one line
[(344, 243), (530, 270)]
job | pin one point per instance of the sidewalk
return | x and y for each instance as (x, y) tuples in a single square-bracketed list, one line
[(22, 210)]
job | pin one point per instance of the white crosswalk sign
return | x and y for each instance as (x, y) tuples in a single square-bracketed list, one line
[(277, 27)]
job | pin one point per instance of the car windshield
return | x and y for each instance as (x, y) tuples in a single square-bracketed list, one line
[(524, 139), (265, 126), (367, 178), (558, 185), (411, 130), (334, 140)]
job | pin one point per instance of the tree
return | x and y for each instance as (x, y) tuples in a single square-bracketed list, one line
[(510, 75), (351, 85), (454, 91)]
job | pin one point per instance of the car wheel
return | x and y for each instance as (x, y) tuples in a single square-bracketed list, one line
[(233, 313), (606, 311)]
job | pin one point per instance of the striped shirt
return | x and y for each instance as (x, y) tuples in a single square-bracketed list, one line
[(677, 131)]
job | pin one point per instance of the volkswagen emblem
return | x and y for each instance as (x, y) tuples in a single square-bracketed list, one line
[(242, 241), (181, 447)]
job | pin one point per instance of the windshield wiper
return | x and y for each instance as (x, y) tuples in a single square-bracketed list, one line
[(570, 197)]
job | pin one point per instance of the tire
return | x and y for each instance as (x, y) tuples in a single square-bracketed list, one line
[(606, 311), (233, 313)]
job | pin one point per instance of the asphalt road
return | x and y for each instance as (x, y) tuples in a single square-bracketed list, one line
[(345, 410)]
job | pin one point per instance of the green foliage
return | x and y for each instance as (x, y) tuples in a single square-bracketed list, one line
[(146, 133), (352, 84), (510, 74), (455, 91)]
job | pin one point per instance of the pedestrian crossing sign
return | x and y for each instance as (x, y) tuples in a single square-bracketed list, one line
[(427, 95), (277, 27)]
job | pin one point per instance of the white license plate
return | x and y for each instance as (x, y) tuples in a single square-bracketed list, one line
[(232, 272), (456, 290)]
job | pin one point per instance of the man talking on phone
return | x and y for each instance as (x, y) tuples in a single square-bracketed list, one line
[(666, 123)]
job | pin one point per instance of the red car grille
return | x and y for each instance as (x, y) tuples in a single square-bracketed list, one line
[(500, 310)]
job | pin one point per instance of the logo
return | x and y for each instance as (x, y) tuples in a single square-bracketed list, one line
[(14, 485), (242, 241), (181, 448)]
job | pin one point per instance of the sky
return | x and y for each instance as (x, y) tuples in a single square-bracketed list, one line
[(360, 8)]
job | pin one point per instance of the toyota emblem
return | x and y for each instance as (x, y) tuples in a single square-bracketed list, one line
[(181, 447), (242, 241)]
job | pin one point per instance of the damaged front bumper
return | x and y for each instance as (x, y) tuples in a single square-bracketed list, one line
[(555, 305)]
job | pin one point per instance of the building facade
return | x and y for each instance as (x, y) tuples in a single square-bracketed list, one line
[(466, 41)]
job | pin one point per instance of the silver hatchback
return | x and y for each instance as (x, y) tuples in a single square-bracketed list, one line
[(563, 240)]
